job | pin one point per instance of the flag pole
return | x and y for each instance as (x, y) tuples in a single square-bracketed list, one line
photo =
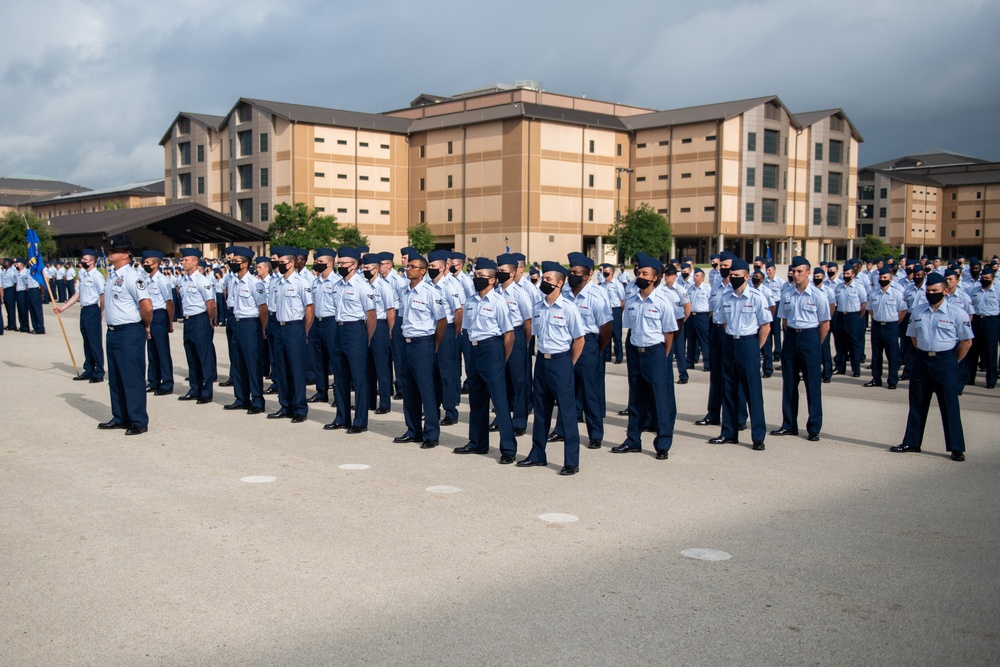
[(52, 299)]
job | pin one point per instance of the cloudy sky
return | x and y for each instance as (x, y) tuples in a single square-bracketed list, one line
[(89, 87)]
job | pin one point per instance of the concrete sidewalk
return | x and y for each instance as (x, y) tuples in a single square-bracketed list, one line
[(122, 550)]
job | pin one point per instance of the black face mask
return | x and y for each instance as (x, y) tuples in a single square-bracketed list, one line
[(534, 281), (642, 283), (608, 274), (848, 279), (344, 271), (433, 273), (818, 281), (503, 277), (935, 298), (831, 274), (575, 281), (369, 274), (234, 266), (319, 268), (715, 265), (791, 277), (985, 283), (148, 268), (480, 283), (280, 268), (918, 281), (724, 273), (685, 276), (737, 281), (885, 283), (756, 283), (547, 288), (974, 274), (454, 269)]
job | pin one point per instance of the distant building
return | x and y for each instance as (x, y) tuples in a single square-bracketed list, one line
[(133, 195), (18, 191)]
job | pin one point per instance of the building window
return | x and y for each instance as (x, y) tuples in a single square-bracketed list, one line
[(184, 126), (362, 178), (709, 209), (710, 137), (322, 209), (817, 216), (836, 151), (749, 215), (662, 211), (341, 210), (384, 147), (384, 212), (640, 179), (952, 215), (450, 148), (769, 210), (421, 216), (450, 181), (771, 141), (619, 151), (819, 151), (201, 152), (685, 175), (833, 215), (590, 180), (881, 212), (421, 151), (201, 185), (244, 113), (884, 193), (363, 144), (977, 232), (263, 212), (420, 184), (591, 145), (185, 184), (232, 181), (363, 211), (686, 141), (246, 176), (384, 179), (662, 177), (817, 184), (664, 143), (264, 178), (751, 177), (263, 149), (246, 209), (185, 153), (881, 231), (342, 177), (769, 178), (751, 141), (246, 142), (319, 140), (979, 195), (450, 216), (319, 174), (590, 215), (833, 183), (685, 210), (341, 142), (639, 146), (979, 214), (710, 173)]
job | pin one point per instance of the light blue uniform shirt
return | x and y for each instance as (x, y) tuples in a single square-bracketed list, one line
[(123, 291), (960, 299), (246, 295), (420, 310), (486, 316), (159, 291), (915, 296), (323, 298), (648, 319), (805, 309), (985, 301), (451, 296), (385, 297), (849, 298), (615, 292), (519, 304), (353, 297), (465, 280), (715, 299), (272, 291), (676, 296), (8, 278), (700, 298), (885, 306), (593, 305), (940, 330), (91, 288), (746, 313), (196, 290), (291, 298), (555, 326)]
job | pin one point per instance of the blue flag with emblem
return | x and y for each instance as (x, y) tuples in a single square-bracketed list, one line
[(35, 256), (506, 244)]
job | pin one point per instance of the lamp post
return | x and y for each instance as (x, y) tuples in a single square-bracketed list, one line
[(618, 211)]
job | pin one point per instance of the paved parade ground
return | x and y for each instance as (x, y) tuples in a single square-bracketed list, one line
[(153, 549)]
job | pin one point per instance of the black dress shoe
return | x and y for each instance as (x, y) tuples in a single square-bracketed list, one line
[(382, 411), (469, 449), (187, 397), (958, 456), (448, 421), (525, 463), (838, 372), (256, 410), (594, 444), (149, 390), (826, 380), (317, 398), (108, 425), (227, 383), (554, 437), (135, 430), (568, 470), (758, 445), (203, 401), (96, 380), (892, 386), (429, 444), (233, 406), (280, 414), (506, 459), (494, 428), (785, 431), (719, 440), (855, 374), (298, 419), (873, 383), (80, 378), (662, 455), (397, 396), (354, 430), (518, 432), (334, 427), (741, 427), (707, 422), (187, 378), (162, 392), (623, 413), (813, 437), (682, 381), (465, 390), (400, 439), (270, 391), (904, 448), (767, 375), (625, 449)]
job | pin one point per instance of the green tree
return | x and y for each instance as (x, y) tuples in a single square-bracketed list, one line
[(421, 237), (302, 227), (352, 238), (116, 205), (641, 230), (14, 235), (874, 248)]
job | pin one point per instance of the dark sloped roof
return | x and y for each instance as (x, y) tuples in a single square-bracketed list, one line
[(699, 114), (807, 118), (424, 99), (934, 157), (143, 188), (332, 117), (946, 175), (518, 110), (184, 223), (39, 185), (207, 120)]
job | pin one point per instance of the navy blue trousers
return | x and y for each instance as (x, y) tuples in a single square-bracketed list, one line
[(885, 338), (776, 336), (420, 410), (767, 355), (70, 288), (324, 353), (905, 347), (34, 301), (248, 383), (587, 399), (849, 340), (160, 372), (801, 354), (126, 369), (697, 339), (553, 386), (380, 367), (935, 376), (21, 299), (353, 367), (10, 303), (518, 379), (60, 290), (268, 360), (986, 331), (466, 349), (679, 353), (718, 377), (616, 336), (741, 356), (228, 318), (200, 352), (650, 388), (487, 381), (290, 367), (448, 373), (398, 354), (93, 346), (826, 356)]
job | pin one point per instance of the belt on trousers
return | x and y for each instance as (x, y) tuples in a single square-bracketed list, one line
[(191, 317), (651, 348), (985, 317), (935, 354), (344, 324), (802, 330), (123, 327), (289, 323), (753, 335), (554, 355), (476, 343), (716, 324), (245, 319), (412, 339), (92, 305), (889, 322)]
